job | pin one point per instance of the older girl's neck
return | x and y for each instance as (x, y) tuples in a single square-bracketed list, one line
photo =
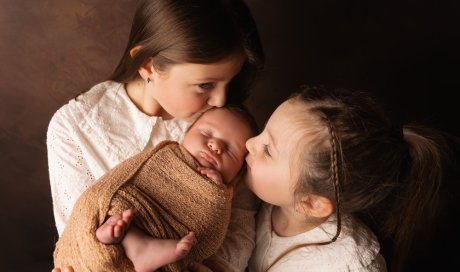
[(287, 222), (138, 93)]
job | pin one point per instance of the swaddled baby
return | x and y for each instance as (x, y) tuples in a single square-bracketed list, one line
[(169, 205)]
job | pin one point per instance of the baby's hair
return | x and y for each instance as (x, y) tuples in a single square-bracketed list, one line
[(193, 31), (241, 110), (387, 175), (247, 116)]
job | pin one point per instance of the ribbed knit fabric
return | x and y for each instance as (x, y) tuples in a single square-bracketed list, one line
[(170, 199)]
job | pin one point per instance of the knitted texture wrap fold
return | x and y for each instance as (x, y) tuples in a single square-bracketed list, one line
[(170, 198)]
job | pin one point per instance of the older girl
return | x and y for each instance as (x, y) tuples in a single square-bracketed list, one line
[(182, 58)]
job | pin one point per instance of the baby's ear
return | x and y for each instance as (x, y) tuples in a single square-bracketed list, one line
[(316, 206)]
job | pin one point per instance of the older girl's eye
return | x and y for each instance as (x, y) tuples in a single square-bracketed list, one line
[(266, 151), (206, 86)]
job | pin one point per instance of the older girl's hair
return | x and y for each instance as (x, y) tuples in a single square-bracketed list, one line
[(389, 176), (193, 31)]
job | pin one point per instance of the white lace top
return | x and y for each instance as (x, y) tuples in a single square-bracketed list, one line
[(356, 249), (101, 128), (92, 134)]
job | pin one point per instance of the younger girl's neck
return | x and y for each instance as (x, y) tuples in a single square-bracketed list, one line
[(137, 92), (287, 222)]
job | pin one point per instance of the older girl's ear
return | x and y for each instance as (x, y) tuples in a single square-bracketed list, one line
[(146, 69), (135, 50), (316, 206)]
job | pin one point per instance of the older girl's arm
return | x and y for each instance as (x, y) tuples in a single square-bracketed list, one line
[(68, 171)]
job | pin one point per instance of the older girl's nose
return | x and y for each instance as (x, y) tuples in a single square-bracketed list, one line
[(217, 97)]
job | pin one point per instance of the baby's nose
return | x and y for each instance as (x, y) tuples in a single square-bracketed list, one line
[(215, 146)]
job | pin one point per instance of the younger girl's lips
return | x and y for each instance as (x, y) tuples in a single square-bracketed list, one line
[(248, 163)]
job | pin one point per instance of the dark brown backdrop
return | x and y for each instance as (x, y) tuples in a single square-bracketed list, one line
[(50, 50)]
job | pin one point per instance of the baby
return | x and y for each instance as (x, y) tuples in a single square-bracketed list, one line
[(181, 194)]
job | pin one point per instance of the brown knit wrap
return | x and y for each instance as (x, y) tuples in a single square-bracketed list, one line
[(170, 199)]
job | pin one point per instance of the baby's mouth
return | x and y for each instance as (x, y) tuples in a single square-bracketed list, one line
[(210, 160)]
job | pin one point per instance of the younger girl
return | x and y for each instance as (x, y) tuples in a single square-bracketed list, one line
[(326, 158)]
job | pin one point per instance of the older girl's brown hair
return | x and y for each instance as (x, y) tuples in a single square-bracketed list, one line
[(193, 31)]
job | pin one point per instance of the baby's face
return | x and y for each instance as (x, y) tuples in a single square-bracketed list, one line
[(217, 140)]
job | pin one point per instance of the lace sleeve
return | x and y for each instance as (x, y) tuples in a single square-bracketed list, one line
[(240, 238), (68, 170)]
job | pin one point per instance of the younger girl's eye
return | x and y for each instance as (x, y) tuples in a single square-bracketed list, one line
[(266, 151), (206, 86)]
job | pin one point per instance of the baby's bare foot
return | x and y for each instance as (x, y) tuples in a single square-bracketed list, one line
[(185, 244), (113, 229), (155, 253)]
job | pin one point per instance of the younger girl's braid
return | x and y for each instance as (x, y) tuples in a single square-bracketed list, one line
[(335, 175)]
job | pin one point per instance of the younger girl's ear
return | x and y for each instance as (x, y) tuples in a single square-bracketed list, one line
[(316, 206)]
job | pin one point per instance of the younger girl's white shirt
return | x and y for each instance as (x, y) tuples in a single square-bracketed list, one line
[(356, 248), (93, 133)]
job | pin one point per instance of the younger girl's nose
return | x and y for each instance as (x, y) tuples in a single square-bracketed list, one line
[(215, 146), (249, 145)]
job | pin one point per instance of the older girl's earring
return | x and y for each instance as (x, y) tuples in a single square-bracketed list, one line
[(146, 80)]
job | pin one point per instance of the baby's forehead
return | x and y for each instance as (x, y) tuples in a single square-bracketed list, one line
[(221, 115), (229, 120), (214, 111), (239, 120)]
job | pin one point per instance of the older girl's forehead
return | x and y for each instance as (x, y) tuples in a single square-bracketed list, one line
[(216, 71)]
